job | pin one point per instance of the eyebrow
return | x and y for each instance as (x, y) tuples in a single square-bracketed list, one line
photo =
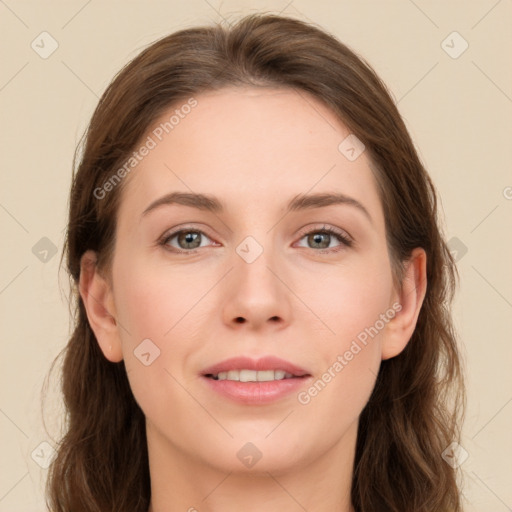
[(300, 202)]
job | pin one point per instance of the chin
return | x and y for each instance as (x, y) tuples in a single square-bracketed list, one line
[(259, 452)]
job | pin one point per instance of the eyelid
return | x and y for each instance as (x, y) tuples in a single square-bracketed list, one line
[(345, 240), (322, 227)]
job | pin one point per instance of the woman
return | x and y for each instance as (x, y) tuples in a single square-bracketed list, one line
[(262, 288)]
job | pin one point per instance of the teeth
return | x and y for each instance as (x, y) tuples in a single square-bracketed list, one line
[(280, 374), (267, 375), (253, 375), (248, 376)]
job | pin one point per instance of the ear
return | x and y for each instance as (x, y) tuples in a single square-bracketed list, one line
[(408, 302), (97, 296)]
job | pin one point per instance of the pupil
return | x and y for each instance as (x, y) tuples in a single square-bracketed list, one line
[(317, 239), (190, 239)]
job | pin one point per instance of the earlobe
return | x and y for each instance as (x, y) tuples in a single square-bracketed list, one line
[(96, 294), (410, 297)]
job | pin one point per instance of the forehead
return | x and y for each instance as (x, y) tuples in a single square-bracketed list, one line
[(249, 146)]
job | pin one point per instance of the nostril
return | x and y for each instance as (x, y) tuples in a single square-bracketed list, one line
[(240, 320)]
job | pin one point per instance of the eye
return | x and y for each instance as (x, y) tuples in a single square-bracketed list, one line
[(189, 240), (186, 239), (323, 238)]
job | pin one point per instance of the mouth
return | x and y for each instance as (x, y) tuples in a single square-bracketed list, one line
[(255, 381), (253, 375)]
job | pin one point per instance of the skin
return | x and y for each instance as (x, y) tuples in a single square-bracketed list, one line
[(254, 149)]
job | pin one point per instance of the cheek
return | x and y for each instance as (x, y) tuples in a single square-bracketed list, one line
[(151, 301), (153, 308), (353, 305), (349, 299)]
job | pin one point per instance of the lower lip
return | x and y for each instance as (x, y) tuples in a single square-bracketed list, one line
[(256, 392)]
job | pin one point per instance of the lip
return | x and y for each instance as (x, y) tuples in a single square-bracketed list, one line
[(264, 363), (253, 393)]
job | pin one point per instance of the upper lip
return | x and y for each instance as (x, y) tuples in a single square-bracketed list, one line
[(261, 364)]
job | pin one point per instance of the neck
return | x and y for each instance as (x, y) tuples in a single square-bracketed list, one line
[(181, 483)]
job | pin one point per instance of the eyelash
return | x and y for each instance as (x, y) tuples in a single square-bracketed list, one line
[(339, 235)]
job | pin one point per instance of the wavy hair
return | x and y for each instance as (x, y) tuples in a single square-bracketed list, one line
[(416, 408)]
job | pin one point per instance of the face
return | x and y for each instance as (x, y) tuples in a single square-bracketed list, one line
[(305, 290)]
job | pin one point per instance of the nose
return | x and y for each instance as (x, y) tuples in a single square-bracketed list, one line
[(256, 292)]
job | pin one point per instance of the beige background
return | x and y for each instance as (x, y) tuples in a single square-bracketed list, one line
[(459, 112)]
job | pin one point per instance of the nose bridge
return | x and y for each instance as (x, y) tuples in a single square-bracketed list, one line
[(255, 258), (256, 294)]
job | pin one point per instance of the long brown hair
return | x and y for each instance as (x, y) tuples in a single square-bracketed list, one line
[(416, 408)]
